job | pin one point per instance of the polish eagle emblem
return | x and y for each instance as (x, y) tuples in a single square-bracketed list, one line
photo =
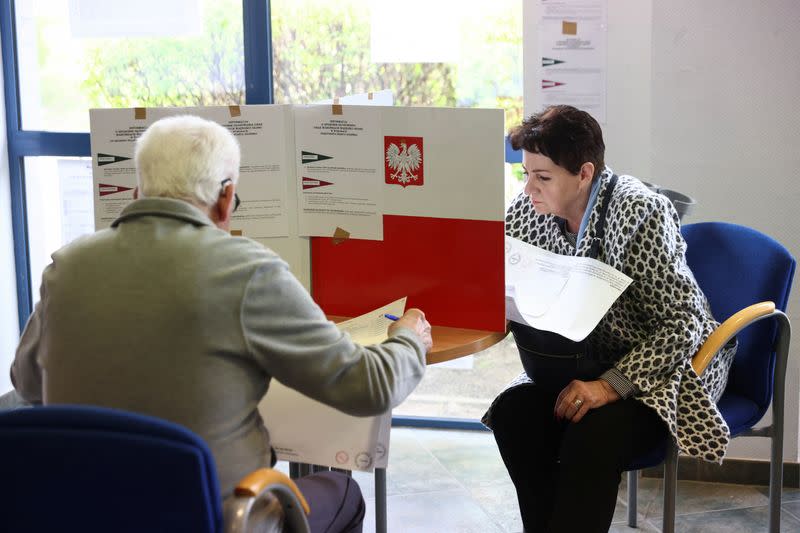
[(404, 161)]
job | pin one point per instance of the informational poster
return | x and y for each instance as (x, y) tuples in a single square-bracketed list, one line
[(573, 40), (262, 186), (339, 171)]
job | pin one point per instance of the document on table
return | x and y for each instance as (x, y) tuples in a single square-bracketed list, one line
[(303, 430), (560, 293)]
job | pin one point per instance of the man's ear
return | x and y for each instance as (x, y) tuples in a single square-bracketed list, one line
[(222, 209)]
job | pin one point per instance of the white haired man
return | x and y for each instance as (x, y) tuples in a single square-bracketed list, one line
[(165, 313)]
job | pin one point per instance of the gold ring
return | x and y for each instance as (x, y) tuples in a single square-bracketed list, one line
[(577, 403)]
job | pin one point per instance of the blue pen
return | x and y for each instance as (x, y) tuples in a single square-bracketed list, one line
[(391, 317)]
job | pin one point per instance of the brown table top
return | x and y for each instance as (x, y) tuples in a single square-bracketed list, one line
[(452, 343)]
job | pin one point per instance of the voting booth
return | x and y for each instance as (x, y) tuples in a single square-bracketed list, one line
[(367, 204)]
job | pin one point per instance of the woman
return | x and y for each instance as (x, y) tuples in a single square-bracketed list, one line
[(566, 438)]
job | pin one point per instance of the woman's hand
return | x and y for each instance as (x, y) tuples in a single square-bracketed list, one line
[(578, 397)]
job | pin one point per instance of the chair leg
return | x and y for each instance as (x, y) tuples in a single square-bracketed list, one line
[(670, 488), (380, 500), (775, 479), (633, 481)]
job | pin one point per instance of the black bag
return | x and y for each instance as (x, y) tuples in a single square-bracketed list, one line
[(552, 360)]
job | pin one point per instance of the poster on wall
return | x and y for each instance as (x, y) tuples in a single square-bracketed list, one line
[(339, 159), (573, 42), (263, 172)]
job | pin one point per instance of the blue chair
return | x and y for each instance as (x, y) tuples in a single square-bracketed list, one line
[(747, 277), (83, 468)]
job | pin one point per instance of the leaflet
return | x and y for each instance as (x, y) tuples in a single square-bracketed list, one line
[(339, 171), (263, 212), (564, 294)]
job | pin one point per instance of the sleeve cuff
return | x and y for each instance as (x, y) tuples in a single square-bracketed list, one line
[(624, 387)]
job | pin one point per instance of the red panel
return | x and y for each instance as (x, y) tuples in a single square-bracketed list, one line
[(451, 269)]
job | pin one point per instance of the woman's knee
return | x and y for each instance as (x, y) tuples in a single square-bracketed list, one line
[(520, 405)]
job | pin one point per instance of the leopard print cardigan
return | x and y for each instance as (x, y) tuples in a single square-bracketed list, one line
[(659, 322)]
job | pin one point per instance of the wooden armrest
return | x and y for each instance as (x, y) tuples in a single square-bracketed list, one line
[(727, 330), (257, 481)]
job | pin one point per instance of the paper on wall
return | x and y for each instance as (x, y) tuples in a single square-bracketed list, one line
[(262, 185), (339, 164), (303, 430), (564, 294)]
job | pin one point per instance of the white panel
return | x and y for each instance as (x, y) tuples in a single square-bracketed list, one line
[(142, 18), (415, 31), (463, 163)]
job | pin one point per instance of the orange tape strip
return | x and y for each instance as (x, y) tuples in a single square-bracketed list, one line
[(340, 235)]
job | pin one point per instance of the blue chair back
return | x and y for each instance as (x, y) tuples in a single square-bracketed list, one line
[(82, 468), (738, 266)]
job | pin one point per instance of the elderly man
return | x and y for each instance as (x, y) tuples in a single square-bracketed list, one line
[(166, 313)]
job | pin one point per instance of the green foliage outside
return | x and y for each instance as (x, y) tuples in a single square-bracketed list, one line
[(321, 49), (159, 72)]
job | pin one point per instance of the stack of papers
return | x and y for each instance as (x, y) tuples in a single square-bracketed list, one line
[(560, 293)]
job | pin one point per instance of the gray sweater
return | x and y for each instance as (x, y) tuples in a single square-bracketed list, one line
[(165, 314)]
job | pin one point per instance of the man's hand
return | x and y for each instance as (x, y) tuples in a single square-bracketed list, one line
[(414, 319), (579, 397)]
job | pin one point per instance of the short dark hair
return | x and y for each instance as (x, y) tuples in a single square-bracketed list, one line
[(568, 136)]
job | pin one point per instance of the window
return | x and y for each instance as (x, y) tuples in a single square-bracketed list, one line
[(73, 55), (62, 57), (72, 59)]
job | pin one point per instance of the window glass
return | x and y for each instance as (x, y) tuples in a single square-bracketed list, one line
[(74, 55), (323, 49), (58, 194)]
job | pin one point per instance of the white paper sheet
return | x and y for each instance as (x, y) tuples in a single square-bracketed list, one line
[(384, 98), (339, 171), (573, 39), (307, 431), (560, 293)]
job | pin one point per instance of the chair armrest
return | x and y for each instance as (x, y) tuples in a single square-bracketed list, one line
[(258, 481), (727, 330), (269, 487)]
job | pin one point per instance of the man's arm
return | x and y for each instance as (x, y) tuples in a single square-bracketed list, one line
[(26, 375), (290, 337)]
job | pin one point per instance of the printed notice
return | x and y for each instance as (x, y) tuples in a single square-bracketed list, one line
[(262, 186), (573, 43), (560, 293), (339, 171)]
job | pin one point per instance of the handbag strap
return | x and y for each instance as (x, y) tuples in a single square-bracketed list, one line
[(600, 228)]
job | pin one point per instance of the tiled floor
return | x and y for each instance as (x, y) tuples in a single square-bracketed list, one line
[(454, 481)]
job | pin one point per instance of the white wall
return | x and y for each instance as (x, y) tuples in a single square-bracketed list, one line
[(9, 321), (703, 99), (726, 131)]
